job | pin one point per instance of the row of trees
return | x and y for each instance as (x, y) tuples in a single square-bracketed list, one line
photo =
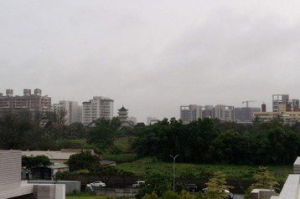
[(210, 141), (159, 187), (202, 141), (23, 130)]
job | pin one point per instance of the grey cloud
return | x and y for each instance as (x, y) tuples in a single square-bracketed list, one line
[(151, 56)]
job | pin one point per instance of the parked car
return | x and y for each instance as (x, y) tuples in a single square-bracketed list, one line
[(226, 191), (138, 183), (98, 184)]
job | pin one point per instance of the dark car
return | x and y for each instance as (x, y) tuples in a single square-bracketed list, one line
[(191, 187)]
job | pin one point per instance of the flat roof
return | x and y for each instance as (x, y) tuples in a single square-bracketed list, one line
[(52, 155)]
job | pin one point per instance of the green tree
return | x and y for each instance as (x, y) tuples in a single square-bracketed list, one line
[(263, 179), (155, 183), (103, 134), (170, 195), (31, 162), (13, 129), (83, 160), (152, 195), (217, 187)]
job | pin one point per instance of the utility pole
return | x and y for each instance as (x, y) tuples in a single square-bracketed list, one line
[(174, 159)]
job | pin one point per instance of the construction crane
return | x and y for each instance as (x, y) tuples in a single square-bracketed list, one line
[(247, 102)]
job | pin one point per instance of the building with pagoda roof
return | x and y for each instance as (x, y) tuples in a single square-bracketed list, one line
[(123, 114)]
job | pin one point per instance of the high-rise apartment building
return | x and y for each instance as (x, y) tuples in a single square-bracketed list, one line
[(194, 112), (72, 111), (279, 99), (190, 113), (245, 114), (208, 111), (32, 102), (98, 107), (295, 105), (224, 113)]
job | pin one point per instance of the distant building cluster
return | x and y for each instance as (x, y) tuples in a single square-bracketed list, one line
[(191, 113), (103, 107), (89, 111), (282, 107)]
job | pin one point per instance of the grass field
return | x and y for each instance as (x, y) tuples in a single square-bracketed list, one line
[(242, 172), (127, 157), (86, 196), (123, 143)]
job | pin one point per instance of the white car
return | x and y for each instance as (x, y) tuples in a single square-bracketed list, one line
[(98, 184), (137, 184), (226, 191)]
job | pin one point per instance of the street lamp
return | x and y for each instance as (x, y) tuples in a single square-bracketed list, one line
[(174, 158)]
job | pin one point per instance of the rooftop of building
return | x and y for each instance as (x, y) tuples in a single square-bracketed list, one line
[(52, 155), (123, 109)]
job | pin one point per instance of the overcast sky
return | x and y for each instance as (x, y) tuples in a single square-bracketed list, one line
[(154, 55)]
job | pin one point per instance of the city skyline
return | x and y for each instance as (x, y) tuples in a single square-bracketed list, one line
[(152, 56), (77, 111)]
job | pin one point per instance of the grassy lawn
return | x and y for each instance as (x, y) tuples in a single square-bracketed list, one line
[(127, 157), (123, 143), (242, 172), (86, 196)]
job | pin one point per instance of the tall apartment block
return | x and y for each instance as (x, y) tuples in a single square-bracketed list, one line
[(73, 111), (278, 99), (224, 113), (98, 107), (208, 111), (245, 114), (194, 112), (33, 102), (291, 104), (190, 113)]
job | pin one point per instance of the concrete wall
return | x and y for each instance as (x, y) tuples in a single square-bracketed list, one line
[(11, 185), (262, 194), (70, 185), (10, 170)]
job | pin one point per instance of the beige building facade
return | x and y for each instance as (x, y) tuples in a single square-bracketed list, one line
[(73, 111), (11, 185), (32, 102), (98, 107), (289, 117)]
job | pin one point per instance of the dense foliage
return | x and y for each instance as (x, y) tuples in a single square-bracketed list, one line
[(202, 141), (103, 134), (82, 160), (30, 162), (25, 131), (210, 141)]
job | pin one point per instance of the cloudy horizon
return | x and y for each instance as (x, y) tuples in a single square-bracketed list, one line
[(152, 56)]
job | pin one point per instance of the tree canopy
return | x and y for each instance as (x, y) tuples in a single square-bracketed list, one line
[(83, 160)]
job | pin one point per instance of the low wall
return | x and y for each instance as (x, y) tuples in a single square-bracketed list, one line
[(71, 186)]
